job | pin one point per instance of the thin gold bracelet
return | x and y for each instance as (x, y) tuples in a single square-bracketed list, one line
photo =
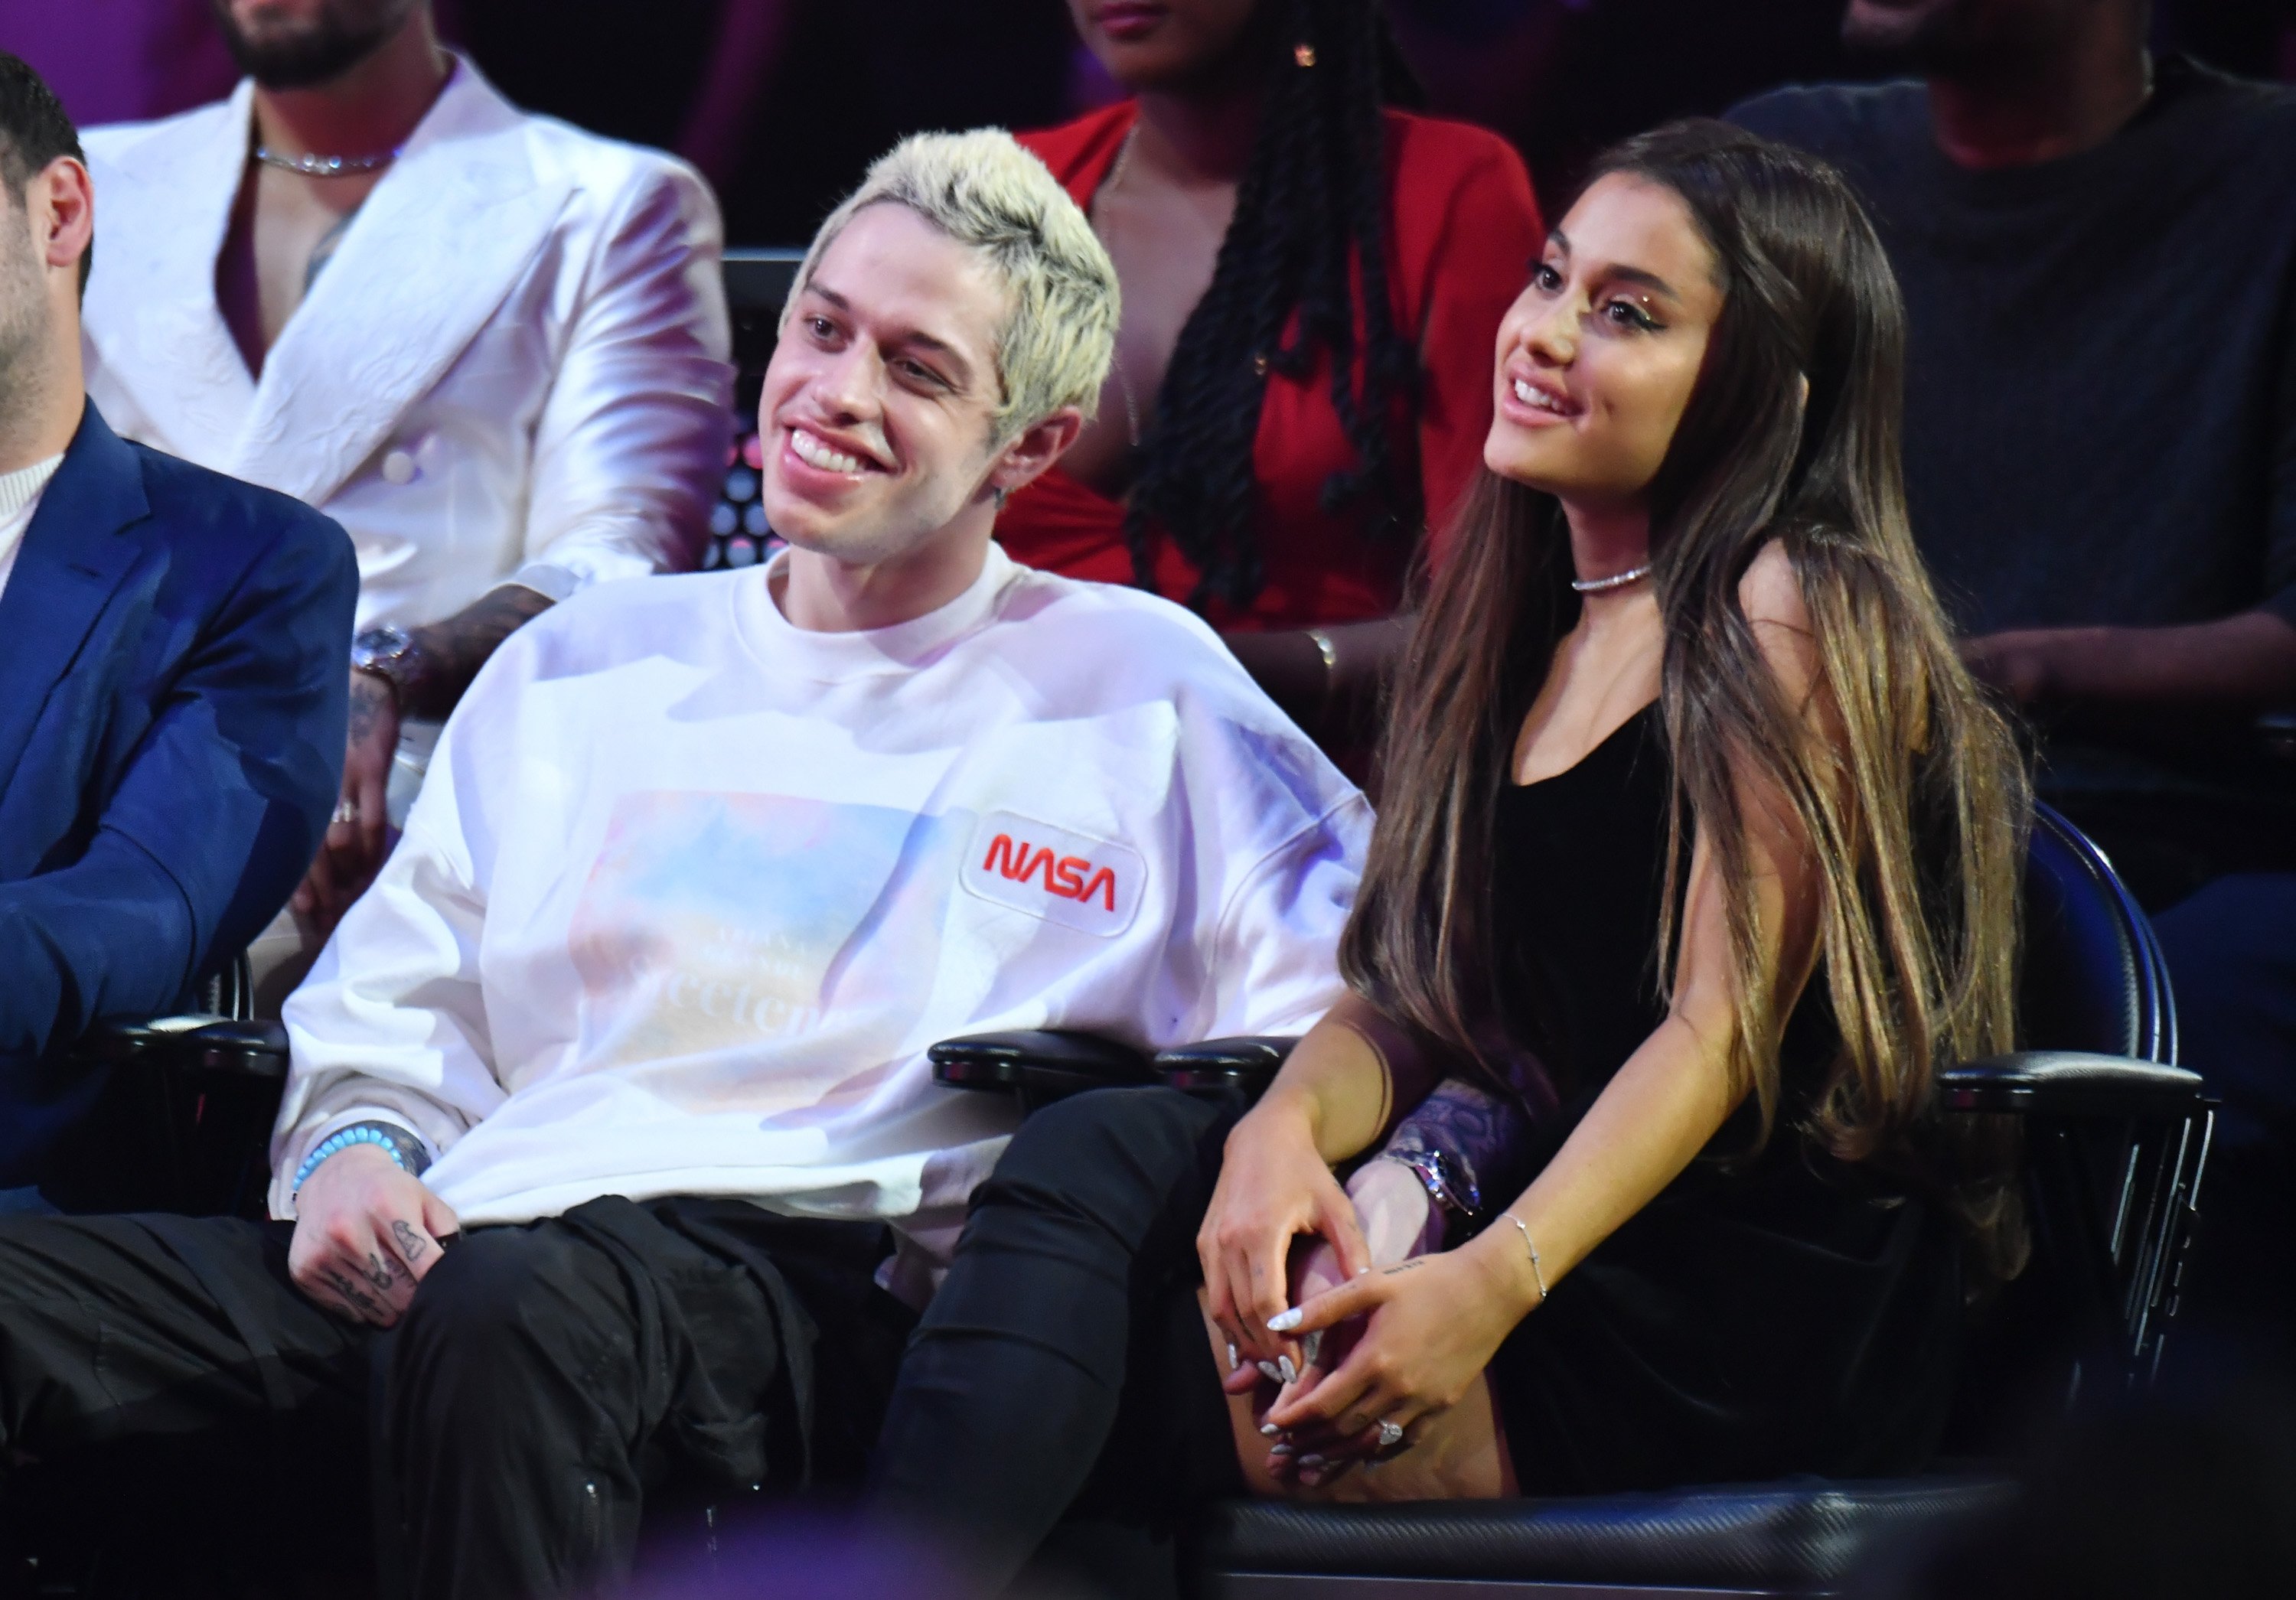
[(1538, 1272), (1330, 651)]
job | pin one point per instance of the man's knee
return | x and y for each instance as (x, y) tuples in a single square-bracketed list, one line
[(1117, 1155), (505, 1301)]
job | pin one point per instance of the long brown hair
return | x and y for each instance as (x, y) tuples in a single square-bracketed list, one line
[(1915, 811)]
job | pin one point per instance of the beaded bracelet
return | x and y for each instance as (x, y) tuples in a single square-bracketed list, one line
[(381, 1135)]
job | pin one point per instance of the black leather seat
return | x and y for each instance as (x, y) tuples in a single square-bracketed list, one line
[(2116, 1137)]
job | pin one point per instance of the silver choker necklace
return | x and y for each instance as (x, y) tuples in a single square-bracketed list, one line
[(1617, 581), (311, 166)]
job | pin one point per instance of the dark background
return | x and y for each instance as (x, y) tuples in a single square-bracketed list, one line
[(783, 103)]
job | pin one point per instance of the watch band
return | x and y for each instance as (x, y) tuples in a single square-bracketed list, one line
[(1456, 1193), (392, 654)]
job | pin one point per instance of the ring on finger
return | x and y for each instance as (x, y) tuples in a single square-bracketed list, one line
[(1390, 1433), (346, 810)]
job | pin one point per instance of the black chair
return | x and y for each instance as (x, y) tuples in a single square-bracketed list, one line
[(183, 1119), (2116, 1139)]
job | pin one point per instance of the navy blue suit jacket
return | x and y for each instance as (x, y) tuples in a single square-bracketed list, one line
[(173, 685)]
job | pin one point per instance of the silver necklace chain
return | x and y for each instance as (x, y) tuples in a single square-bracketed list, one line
[(1617, 581), (313, 166)]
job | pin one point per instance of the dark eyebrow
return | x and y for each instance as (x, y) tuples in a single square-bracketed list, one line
[(1631, 274), (948, 352)]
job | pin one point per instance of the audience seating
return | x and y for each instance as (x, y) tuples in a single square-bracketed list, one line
[(2116, 1138), (757, 283)]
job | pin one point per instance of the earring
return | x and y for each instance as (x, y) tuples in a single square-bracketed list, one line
[(1304, 54)]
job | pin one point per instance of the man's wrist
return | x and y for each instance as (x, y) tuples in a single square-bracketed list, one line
[(400, 659), (404, 1149)]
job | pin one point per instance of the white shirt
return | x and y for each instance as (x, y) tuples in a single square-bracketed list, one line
[(514, 365), (690, 891), (20, 502)]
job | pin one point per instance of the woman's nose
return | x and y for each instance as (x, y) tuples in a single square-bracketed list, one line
[(1551, 335)]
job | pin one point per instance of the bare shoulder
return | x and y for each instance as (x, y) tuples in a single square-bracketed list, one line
[(1770, 596)]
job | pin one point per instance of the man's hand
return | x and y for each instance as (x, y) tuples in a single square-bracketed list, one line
[(365, 1234), (358, 838)]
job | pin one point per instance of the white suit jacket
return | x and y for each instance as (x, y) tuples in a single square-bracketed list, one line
[(514, 366)]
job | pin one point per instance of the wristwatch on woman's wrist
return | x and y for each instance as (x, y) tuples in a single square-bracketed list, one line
[(1451, 1191)]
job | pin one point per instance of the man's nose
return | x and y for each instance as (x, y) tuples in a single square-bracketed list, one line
[(850, 388)]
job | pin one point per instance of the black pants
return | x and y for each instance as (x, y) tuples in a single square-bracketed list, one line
[(1063, 1369), (544, 1380)]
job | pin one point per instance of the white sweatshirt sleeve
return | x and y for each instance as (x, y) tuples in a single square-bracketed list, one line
[(1274, 966), (391, 1025)]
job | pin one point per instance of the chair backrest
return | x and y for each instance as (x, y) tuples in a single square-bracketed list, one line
[(2093, 977)]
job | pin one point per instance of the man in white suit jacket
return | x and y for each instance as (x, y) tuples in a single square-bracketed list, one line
[(492, 346)]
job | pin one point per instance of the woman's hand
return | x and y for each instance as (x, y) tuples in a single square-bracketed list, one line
[(1398, 1221), (1274, 1186), (1434, 1324)]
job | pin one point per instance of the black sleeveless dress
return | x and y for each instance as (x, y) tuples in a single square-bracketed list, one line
[(1763, 1315)]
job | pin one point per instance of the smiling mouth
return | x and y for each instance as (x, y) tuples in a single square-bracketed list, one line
[(816, 451), (1540, 400)]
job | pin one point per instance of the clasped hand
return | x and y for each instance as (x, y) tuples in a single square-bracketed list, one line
[(366, 1232), (1372, 1333)]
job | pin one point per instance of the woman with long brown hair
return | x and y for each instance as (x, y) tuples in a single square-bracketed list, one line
[(1698, 854)]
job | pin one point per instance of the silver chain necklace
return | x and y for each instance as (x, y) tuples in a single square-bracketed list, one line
[(311, 166), (1617, 581)]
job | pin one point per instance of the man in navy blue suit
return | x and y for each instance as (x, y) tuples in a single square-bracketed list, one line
[(172, 699)]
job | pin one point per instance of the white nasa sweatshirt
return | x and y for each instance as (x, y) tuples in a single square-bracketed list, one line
[(691, 890)]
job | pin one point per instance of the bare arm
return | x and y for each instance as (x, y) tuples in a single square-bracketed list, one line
[(1328, 697), (2180, 686), (1436, 1320)]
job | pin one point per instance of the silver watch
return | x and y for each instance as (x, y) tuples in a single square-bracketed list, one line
[(391, 654), (1454, 1192)]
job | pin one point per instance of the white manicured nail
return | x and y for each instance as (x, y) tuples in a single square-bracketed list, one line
[(1269, 1430), (1231, 1357), (1283, 1322), (1290, 1372), (1311, 1347), (1268, 1370)]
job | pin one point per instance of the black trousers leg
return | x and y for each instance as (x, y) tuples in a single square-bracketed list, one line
[(547, 1377), (170, 1362), (1037, 1352)]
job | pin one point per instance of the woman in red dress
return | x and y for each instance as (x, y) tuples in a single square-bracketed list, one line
[(1313, 283)]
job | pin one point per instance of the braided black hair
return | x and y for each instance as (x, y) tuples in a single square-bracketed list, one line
[(1311, 222)]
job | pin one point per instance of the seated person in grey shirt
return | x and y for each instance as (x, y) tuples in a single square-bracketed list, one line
[(2098, 254)]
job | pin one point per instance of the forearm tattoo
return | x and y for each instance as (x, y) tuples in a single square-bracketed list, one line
[(454, 649), (369, 695)]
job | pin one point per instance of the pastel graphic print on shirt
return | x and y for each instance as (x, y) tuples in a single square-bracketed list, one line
[(750, 925)]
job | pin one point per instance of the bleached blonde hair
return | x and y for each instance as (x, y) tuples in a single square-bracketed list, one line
[(981, 189)]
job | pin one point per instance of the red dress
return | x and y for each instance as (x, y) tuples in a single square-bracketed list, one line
[(1462, 231)]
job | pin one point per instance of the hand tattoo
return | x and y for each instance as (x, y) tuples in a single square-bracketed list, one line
[(380, 1271), (411, 1244), (353, 1295), (1403, 1265), (369, 695)]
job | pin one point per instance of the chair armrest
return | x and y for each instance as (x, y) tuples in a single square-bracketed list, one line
[(1039, 1064), (2071, 1083), (1246, 1062), (201, 1043)]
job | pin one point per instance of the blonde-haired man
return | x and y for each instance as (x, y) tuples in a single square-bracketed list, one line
[(635, 1016)]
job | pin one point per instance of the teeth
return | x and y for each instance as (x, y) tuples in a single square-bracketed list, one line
[(1535, 396), (817, 452)]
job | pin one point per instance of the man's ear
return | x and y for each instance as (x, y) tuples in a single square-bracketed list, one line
[(61, 201), (1026, 459)]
